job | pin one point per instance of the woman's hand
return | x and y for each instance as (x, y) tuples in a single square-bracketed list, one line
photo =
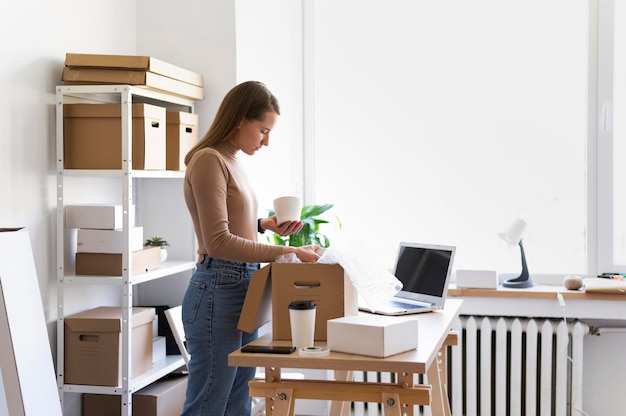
[(306, 254), (284, 229)]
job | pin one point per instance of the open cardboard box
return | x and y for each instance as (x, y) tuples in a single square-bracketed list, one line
[(273, 287)]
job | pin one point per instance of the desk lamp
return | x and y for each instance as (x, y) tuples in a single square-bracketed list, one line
[(513, 235)]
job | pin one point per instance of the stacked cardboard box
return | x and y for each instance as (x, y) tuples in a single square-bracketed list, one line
[(100, 241), (133, 70), (181, 135), (93, 345), (162, 398), (92, 136)]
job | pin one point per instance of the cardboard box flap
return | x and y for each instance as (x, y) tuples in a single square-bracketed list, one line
[(257, 306), (107, 319)]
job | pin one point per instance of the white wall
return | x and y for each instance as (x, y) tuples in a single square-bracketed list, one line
[(36, 35)]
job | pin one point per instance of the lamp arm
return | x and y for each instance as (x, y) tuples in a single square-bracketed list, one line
[(524, 275)]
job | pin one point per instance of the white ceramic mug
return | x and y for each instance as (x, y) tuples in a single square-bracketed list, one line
[(287, 208), (302, 321)]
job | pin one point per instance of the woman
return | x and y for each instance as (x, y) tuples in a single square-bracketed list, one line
[(223, 208)]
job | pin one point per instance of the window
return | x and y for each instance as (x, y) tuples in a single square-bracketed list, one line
[(612, 136), (619, 133), (442, 121)]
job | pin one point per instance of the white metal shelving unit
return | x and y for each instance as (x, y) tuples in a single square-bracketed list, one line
[(125, 95)]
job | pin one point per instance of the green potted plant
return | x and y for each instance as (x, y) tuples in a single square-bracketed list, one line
[(158, 242), (310, 232)]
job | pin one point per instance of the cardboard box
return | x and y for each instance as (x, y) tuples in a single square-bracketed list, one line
[(164, 397), (93, 345), (77, 76), (372, 335), (133, 62), (93, 136), (181, 136), (107, 241), (276, 285), (94, 216), (106, 264)]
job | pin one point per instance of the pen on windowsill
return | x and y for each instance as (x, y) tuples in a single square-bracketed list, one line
[(614, 276)]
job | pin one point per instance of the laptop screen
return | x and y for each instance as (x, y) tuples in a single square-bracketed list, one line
[(424, 269)]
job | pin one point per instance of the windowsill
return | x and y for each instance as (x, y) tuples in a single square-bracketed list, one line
[(535, 292), (541, 301)]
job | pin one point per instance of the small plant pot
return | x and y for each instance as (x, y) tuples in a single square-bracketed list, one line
[(163, 254)]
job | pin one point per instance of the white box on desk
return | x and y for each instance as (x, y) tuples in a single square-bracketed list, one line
[(372, 335), (107, 241), (97, 216), (479, 279)]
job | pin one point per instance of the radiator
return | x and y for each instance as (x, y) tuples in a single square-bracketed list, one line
[(508, 367)]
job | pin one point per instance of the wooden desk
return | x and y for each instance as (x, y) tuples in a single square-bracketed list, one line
[(397, 398)]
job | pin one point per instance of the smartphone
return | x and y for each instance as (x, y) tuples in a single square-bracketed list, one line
[(268, 349)]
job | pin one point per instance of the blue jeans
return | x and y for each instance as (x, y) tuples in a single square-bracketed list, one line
[(210, 311)]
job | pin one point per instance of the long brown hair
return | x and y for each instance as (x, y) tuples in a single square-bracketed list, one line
[(250, 100)]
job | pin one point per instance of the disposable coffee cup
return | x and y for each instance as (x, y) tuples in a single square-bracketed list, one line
[(287, 208), (302, 319)]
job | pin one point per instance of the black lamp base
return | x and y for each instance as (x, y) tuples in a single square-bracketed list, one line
[(518, 284), (523, 280)]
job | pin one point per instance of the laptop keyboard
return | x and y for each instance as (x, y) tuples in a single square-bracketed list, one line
[(404, 305)]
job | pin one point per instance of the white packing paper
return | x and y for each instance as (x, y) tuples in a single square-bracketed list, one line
[(374, 284)]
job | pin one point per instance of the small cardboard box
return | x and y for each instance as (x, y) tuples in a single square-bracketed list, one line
[(93, 136), (93, 345), (107, 241), (372, 335), (181, 135), (94, 216), (164, 397), (276, 285), (106, 264)]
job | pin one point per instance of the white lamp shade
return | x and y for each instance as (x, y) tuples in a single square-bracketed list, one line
[(513, 233)]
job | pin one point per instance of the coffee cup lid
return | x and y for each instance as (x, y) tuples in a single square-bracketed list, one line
[(302, 304)]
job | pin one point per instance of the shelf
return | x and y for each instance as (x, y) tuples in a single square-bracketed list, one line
[(167, 268), (106, 93), (159, 369), (158, 174), (132, 193)]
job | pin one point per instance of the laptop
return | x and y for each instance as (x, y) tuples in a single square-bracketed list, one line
[(424, 270)]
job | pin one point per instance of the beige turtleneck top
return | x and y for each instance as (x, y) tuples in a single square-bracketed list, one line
[(223, 207)]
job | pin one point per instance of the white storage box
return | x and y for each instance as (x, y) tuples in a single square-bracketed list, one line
[(372, 335), (158, 349), (107, 241), (103, 217), (481, 279)]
